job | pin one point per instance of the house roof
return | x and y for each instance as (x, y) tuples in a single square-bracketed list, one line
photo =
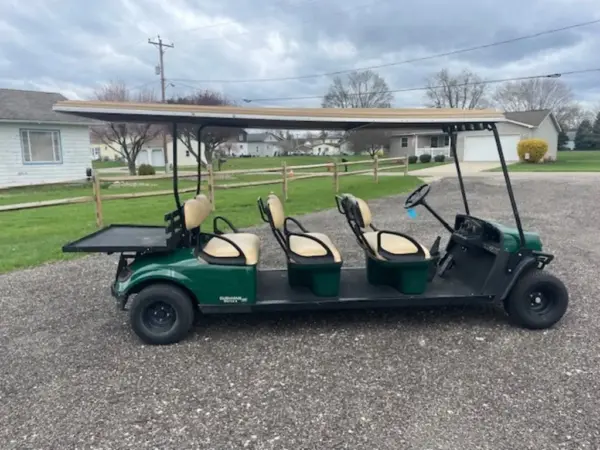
[(34, 106), (257, 137), (286, 118), (532, 117)]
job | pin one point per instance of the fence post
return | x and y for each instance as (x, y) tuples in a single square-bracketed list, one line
[(336, 179), (375, 169), (405, 165), (211, 186), (284, 180), (97, 200)]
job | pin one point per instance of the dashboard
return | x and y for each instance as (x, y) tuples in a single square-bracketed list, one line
[(476, 232)]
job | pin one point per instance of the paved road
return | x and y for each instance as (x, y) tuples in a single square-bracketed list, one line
[(74, 376)]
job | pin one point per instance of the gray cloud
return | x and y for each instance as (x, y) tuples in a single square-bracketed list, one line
[(73, 46)]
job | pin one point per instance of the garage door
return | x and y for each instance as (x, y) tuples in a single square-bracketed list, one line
[(142, 157), (483, 148), (158, 157)]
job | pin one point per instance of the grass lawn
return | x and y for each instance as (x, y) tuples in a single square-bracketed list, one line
[(567, 161), (31, 237)]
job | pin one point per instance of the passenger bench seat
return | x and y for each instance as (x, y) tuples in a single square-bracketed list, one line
[(196, 211)]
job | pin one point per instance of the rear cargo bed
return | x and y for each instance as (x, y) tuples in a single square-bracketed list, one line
[(121, 238)]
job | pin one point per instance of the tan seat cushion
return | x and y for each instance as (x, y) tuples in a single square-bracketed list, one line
[(309, 248), (391, 243), (247, 242)]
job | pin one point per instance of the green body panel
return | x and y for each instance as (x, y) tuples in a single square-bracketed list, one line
[(211, 284), (409, 278), (511, 238), (323, 279)]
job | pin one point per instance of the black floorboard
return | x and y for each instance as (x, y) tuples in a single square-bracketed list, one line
[(273, 287)]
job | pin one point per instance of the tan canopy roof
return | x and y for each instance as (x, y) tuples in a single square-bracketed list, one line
[(286, 118)]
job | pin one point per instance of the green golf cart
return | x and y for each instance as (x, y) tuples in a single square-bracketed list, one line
[(177, 271)]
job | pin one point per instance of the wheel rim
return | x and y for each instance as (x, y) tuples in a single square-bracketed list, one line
[(159, 316), (541, 301)]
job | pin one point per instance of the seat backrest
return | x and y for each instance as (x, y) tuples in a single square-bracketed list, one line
[(276, 210), (362, 213), (195, 211)]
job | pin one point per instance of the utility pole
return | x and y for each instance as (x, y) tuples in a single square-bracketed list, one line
[(161, 71)]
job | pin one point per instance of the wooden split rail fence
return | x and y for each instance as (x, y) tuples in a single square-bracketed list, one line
[(286, 176)]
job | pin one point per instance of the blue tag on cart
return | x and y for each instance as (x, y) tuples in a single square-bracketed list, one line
[(411, 213)]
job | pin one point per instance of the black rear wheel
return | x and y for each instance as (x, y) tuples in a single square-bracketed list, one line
[(161, 314), (538, 300)]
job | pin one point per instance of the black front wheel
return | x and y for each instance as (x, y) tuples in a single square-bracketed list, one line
[(538, 300), (161, 314)]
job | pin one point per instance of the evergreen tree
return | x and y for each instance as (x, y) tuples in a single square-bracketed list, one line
[(584, 139), (596, 127), (596, 132), (562, 140)]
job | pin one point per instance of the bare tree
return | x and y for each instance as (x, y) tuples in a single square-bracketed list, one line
[(465, 90), (365, 89), (369, 140), (541, 93), (287, 142), (212, 137), (127, 139)]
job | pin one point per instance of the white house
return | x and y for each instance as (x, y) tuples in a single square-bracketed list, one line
[(480, 145), (263, 144), (38, 145)]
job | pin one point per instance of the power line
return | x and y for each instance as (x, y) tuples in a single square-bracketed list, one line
[(180, 32), (397, 63), (424, 88)]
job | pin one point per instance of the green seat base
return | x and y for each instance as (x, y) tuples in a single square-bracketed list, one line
[(323, 280), (409, 278)]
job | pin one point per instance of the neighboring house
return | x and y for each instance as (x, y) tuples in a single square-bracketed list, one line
[(331, 145), (570, 144), (263, 144), (480, 145), (237, 146), (38, 145), (151, 153)]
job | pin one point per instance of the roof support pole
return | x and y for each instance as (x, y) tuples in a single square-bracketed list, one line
[(509, 188), (175, 187), (452, 134), (199, 158)]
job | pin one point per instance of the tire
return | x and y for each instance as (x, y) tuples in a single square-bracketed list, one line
[(537, 301), (161, 314)]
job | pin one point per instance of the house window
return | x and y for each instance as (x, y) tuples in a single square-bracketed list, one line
[(41, 146), (187, 153), (434, 142), (404, 142), (241, 138), (446, 141), (241, 146), (95, 152)]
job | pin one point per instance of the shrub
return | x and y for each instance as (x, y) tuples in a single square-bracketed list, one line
[(425, 158), (412, 159), (439, 158), (146, 169), (532, 150)]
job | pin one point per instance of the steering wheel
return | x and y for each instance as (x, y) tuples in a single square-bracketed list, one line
[(417, 196)]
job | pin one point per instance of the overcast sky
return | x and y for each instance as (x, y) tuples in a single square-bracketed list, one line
[(73, 46)]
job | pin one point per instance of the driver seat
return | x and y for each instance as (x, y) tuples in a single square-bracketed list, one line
[(382, 245), (392, 258)]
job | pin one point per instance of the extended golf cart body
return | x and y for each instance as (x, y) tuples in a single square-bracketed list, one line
[(182, 268)]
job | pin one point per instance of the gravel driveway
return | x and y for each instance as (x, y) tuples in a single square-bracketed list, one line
[(73, 375)]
